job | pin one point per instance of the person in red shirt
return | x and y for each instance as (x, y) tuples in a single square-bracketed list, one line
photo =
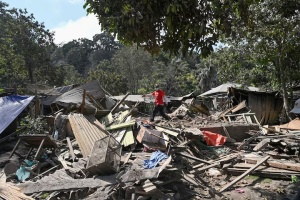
[(159, 97)]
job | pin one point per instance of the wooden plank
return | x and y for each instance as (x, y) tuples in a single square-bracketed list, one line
[(119, 103), (247, 141), (39, 149), (122, 125), (226, 132), (262, 144), (217, 163), (71, 149), (277, 164), (10, 192), (15, 148), (198, 166), (149, 187), (193, 157), (244, 174), (207, 167), (128, 157), (266, 173), (167, 131), (190, 179)]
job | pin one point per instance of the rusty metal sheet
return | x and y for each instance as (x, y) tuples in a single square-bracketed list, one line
[(87, 130)]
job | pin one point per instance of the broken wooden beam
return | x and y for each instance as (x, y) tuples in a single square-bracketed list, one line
[(207, 167), (277, 164), (193, 157), (165, 130), (247, 141), (119, 103), (15, 148), (262, 144), (39, 149), (244, 174), (262, 171)]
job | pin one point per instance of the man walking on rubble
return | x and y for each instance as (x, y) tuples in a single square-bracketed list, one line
[(159, 102)]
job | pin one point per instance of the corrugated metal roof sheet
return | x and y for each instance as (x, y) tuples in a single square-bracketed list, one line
[(74, 96), (224, 87), (87, 130)]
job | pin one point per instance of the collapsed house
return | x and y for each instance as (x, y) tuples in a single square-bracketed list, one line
[(95, 150)]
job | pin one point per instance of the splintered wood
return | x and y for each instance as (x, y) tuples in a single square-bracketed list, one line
[(10, 192)]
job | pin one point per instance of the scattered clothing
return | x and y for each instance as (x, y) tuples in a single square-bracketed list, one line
[(155, 158)]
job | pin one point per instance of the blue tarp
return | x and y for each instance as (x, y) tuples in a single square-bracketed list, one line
[(11, 107)]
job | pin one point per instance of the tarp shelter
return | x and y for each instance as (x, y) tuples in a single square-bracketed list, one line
[(223, 89), (11, 107)]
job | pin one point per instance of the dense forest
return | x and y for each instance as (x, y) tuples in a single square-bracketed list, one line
[(263, 52)]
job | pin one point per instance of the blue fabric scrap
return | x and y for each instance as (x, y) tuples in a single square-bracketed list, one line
[(22, 173), (155, 158)]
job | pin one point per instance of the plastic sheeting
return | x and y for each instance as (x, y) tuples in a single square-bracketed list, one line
[(11, 107), (213, 139)]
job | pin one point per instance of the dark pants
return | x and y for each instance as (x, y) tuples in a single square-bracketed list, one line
[(160, 109)]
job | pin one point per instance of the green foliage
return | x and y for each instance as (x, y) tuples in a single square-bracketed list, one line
[(84, 54), (188, 25), (273, 35), (109, 78), (35, 126), (24, 52), (134, 70)]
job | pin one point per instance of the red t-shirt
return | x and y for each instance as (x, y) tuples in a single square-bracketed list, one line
[(158, 95)]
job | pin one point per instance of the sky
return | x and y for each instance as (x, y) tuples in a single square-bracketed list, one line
[(67, 18)]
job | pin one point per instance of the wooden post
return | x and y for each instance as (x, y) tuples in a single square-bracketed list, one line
[(30, 150), (39, 149), (119, 103), (81, 108), (15, 148)]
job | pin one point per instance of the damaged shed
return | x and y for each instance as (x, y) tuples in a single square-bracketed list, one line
[(266, 105)]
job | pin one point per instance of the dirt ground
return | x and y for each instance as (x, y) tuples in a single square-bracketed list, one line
[(254, 187)]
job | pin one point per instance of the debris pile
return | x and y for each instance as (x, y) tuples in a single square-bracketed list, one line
[(114, 153)]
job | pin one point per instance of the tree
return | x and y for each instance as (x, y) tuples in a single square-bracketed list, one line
[(104, 46), (273, 33), (109, 78), (24, 44), (187, 25), (133, 64)]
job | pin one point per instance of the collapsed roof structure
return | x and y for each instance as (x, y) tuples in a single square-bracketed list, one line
[(96, 151)]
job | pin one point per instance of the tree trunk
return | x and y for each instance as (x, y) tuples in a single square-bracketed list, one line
[(30, 72), (283, 87)]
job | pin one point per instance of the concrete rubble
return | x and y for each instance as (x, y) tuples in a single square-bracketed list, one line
[(112, 151)]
